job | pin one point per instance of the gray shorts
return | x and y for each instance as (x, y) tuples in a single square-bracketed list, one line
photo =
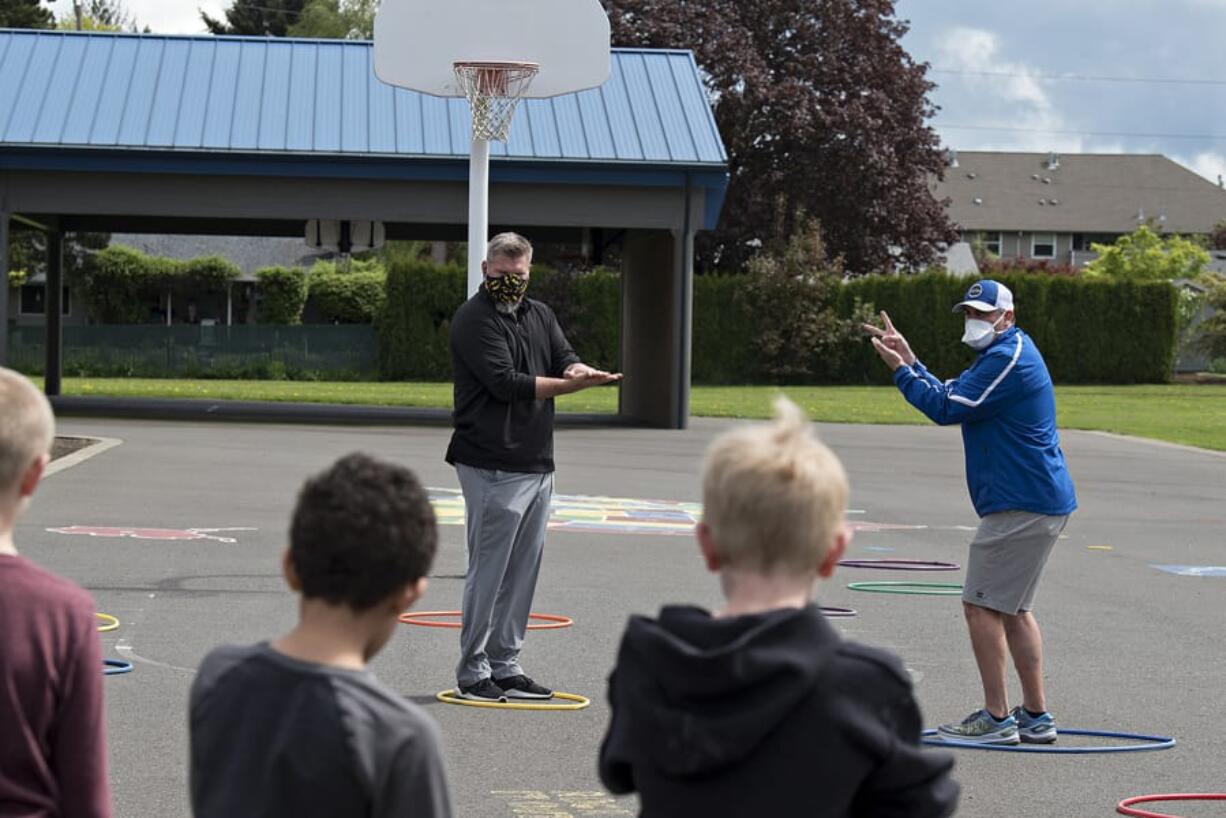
[(1007, 558)]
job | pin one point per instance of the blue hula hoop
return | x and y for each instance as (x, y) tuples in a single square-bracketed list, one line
[(113, 667), (1151, 743)]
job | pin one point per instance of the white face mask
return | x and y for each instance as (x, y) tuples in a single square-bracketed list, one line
[(980, 334)]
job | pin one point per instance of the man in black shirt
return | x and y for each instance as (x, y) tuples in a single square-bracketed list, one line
[(510, 359)]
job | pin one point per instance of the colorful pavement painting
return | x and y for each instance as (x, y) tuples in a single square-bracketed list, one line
[(616, 515), (600, 515)]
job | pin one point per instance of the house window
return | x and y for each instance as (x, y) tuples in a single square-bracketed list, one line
[(1043, 245), (992, 242), (33, 300)]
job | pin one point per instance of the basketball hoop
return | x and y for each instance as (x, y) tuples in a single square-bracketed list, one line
[(493, 90)]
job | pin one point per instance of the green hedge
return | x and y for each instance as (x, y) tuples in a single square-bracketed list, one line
[(1089, 331), (588, 307), (723, 333), (414, 323), (421, 298)]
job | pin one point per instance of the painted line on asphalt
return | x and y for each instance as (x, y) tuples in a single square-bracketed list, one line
[(81, 455)]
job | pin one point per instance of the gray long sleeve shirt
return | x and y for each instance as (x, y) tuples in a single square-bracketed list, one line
[(273, 736)]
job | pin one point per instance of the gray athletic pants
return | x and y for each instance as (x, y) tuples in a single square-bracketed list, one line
[(504, 522)]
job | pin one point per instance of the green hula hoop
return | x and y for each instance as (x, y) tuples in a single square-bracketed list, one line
[(922, 588)]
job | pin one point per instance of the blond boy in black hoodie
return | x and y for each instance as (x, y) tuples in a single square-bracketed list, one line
[(760, 708)]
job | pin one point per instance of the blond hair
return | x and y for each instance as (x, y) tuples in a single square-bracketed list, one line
[(774, 496), (509, 245), (27, 426)]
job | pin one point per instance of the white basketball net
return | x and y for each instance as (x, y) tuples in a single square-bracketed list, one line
[(493, 90)]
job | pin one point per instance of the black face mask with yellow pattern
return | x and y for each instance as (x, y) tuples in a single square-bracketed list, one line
[(506, 289)]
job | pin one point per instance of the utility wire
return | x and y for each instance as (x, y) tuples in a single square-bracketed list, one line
[(1211, 137), (1080, 77)]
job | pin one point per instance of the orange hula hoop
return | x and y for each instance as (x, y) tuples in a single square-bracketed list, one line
[(425, 619)]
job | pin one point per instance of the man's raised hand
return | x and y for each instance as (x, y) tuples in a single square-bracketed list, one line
[(891, 339), (892, 359)]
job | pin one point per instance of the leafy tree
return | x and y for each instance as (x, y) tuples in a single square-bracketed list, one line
[(25, 14), (100, 15), (258, 18), (791, 293), (1211, 333), (337, 20), (1217, 239), (1145, 255), (28, 251), (822, 110)]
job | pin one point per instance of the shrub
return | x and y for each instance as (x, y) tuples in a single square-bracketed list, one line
[(117, 282), (1144, 255), (798, 335), (348, 298), (282, 293), (1211, 334), (207, 273)]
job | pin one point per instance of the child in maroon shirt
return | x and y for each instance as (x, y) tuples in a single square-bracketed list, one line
[(52, 738)]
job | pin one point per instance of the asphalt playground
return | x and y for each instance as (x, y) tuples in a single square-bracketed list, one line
[(177, 531)]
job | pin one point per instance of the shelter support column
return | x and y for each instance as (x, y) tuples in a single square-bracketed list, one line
[(54, 313), (4, 288), (656, 294)]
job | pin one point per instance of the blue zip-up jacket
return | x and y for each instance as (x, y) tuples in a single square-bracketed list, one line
[(1007, 409)]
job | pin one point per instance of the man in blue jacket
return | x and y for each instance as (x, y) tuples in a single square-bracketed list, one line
[(1020, 488)]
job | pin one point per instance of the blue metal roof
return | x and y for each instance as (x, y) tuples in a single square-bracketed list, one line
[(250, 95)]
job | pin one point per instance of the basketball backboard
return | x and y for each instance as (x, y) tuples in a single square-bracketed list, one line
[(417, 41)]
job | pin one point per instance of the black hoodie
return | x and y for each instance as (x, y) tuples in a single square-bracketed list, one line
[(766, 714)]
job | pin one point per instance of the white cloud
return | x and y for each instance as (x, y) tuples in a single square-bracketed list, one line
[(984, 98), (162, 16), (1209, 164)]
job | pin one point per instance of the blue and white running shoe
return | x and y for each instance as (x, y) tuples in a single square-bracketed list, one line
[(1040, 729), (981, 727)]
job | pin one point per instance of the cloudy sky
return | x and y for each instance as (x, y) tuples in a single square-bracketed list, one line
[(1006, 72), (1011, 66)]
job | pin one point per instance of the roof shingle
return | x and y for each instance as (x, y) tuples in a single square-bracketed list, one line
[(1090, 193)]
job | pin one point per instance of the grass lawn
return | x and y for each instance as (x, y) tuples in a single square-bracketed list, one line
[(1194, 414)]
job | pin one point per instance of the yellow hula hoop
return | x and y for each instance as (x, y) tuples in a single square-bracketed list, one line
[(575, 702), (109, 623)]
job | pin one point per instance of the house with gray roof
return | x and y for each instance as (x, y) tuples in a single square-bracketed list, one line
[(1053, 207)]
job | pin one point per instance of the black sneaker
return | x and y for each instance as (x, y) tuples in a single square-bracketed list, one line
[(482, 691), (521, 687)]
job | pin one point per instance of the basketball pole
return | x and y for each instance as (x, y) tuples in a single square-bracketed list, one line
[(478, 211)]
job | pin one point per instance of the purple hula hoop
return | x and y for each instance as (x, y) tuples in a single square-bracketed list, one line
[(901, 565)]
